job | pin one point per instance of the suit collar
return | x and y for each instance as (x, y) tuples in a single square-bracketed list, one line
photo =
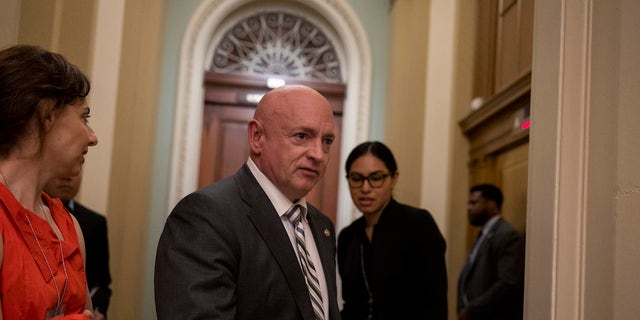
[(279, 201), (267, 222), (389, 210), (488, 226), (490, 230)]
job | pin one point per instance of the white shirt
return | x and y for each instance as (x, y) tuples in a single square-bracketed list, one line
[(282, 206)]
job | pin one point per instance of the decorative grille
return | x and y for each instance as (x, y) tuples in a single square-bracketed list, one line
[(277, 43)]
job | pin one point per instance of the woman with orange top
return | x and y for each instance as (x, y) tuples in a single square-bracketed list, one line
[(44, 134)]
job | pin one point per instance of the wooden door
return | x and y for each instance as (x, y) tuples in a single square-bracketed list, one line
[(230, 102), (512, 168)]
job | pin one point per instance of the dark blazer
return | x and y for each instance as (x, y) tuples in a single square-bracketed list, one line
[(224, 254), (94, 230), (408, 272), (494, 282)]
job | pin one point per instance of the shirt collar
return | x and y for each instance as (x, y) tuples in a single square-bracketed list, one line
[(70, 204), (279, 201), (487, 226)]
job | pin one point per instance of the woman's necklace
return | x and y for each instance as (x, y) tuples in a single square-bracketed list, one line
[(58, 311), (366, 282)]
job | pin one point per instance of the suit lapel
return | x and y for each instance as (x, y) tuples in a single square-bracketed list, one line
[(486, 244), (322, 235), (267, 222)]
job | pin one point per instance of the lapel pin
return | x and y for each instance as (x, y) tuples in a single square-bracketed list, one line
[(327, 233)]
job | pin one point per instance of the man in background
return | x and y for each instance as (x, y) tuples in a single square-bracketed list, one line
[(491, 284), (94, 230)]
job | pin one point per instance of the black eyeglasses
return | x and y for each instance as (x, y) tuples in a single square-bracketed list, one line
[(376, 179)]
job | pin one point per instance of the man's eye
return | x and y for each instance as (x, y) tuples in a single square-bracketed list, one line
[(328, 141), (301, 135)]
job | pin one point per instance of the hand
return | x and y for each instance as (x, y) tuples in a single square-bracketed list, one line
[(88, 313), (97, 315)]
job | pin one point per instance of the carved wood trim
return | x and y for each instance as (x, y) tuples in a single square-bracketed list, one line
[(490, 129)]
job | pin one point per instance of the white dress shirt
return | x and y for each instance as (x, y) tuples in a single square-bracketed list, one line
[(282, 206)]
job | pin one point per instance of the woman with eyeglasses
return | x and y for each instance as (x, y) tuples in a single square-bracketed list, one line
[(391, 260)]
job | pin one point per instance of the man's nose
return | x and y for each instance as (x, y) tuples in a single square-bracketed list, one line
[(316, 150)]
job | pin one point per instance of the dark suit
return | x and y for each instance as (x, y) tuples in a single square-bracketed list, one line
[(94, 230), (494, 281), (407, 273), (225, 254)]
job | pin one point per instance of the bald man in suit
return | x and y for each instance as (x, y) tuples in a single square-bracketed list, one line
[(229, 251)]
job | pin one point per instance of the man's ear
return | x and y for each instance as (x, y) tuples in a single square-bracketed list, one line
[(256, 136)]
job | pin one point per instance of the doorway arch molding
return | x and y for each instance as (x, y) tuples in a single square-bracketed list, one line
[(202, 30)]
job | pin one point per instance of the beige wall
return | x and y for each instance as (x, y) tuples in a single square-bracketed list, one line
[(583, 188), (406, 93), (626, 200), (458, 152), (107, 42), (9, 22), (62, 26), (132, 162)]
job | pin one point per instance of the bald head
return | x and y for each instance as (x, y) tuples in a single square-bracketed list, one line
[(283, 100), (290, 138)]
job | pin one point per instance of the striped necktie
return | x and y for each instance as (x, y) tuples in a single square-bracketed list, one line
[(308, 268)]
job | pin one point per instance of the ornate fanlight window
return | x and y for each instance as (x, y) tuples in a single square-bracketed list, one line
[(277, 43)]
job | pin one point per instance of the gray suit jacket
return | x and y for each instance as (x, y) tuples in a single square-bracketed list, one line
[(224, 254), (494, 282)]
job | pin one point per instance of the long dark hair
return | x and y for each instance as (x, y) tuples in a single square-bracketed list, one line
[(376, 148), (34, 83)]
